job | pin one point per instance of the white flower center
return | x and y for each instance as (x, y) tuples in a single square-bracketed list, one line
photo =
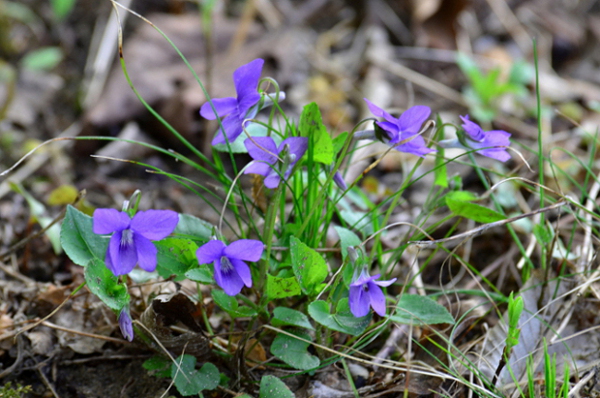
[(226, 265), (126, 238)]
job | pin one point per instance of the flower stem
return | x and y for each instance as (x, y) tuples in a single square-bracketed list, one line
[(268, 237)]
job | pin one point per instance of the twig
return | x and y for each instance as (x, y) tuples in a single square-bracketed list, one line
[(38, 322), (390, 345), (92, 335), (47, 383), (479, 230), (17, 361), (25, 240), (38, 161), (15, 274)]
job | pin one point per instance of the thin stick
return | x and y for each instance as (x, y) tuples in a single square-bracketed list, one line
[(479, 230), (78, 332), (47, 382)]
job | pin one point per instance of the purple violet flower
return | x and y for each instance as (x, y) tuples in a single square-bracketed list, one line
[(494, 141), (365, 292), (407, 126), (231, 272), (338, 178), (126, 324), (268, 158), (233, 111), (131, 243)]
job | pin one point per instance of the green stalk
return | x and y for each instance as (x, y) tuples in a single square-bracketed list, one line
[(540, 147), (268, 237)]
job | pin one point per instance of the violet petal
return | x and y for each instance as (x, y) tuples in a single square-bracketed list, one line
[(474, 131), (495, 153), (210, 251), (413, 118), (379, 112), (272, 179), (122, 253), (246, 78), (376, 298), (297, 145), (245, 249), (106, 221), (416, 146), (155, 224), (243, 271), (391, 129), (146, 253), (358, 301), (228, 280), (385, 283), (223, 107), (258, 167), (232, 128), (262, 148)]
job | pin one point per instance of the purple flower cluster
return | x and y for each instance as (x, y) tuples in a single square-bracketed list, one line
[(365, 292), (131, 242), (493, 143), (233, 111), (404, 128), (231, 271), (269, 160)]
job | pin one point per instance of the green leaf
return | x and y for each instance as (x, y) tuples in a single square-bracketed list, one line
[(271, 387), (175, 257), (194, 228), (320, 312), (101, 282), (543, 234), (311, 126), (202, 274), (339, 141), (294, 352), (156, 363), (44, 58), (158, 366), (283, 316), (225, 301), (230, 305), (458, 202), (343, 321), (347, 238), (441, 171), (282, 287), (469, 68), (20, 13), (189, 381), (79, 241), (347, 322), (462, 196), (62, 8), (308, 266), (413, 309)]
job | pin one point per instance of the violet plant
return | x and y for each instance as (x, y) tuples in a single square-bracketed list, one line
[(273, 267)]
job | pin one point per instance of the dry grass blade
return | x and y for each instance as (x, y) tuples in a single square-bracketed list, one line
[(479, 230)]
